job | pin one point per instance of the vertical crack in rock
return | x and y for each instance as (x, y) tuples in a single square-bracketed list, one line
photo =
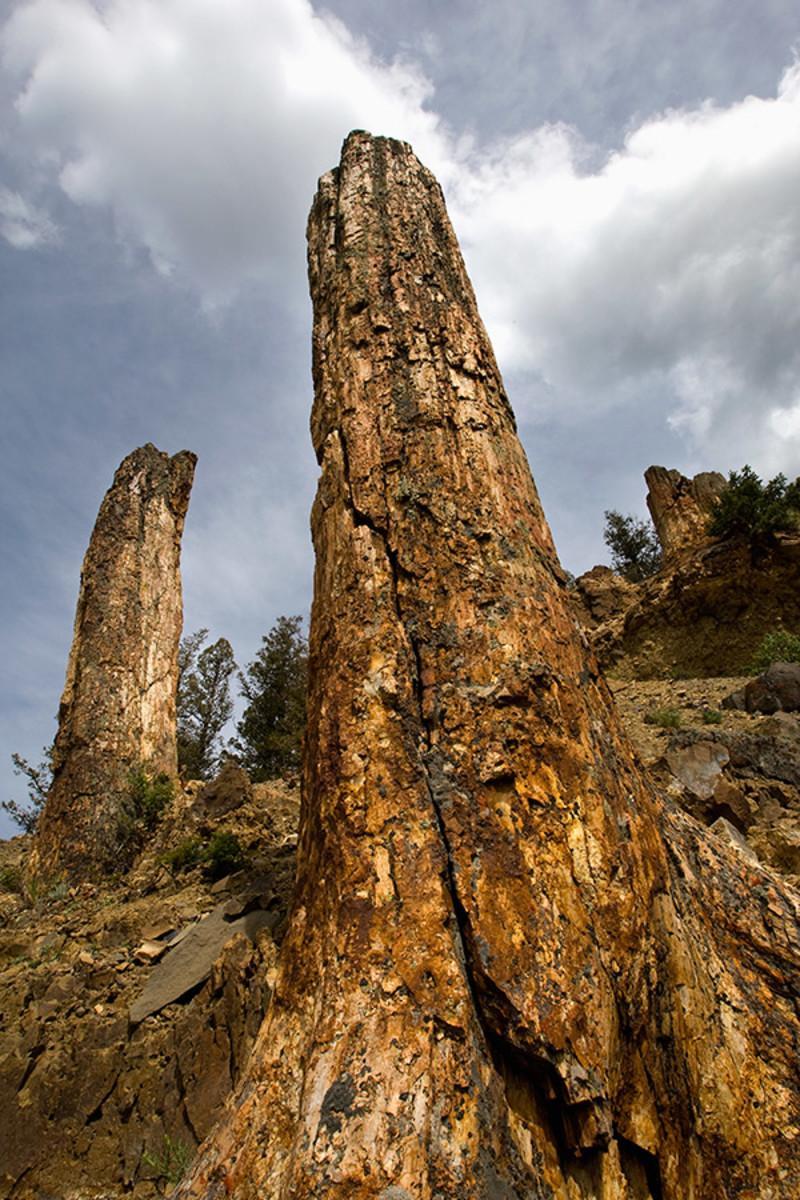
[(511, 970), (117, 710)]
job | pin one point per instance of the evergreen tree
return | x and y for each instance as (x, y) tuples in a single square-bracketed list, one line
[(204, 704), (635, 549), (752, 510), (270, 733)]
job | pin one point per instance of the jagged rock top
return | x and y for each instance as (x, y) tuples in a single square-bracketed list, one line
[(680, 507), (117, 711)]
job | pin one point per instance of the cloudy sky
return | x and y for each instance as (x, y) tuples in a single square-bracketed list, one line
[(624, 178)]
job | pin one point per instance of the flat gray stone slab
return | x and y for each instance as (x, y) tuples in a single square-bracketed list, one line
[(192, 959)]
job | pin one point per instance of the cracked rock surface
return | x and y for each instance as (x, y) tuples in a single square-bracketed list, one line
[(512, 970), (117, 711)]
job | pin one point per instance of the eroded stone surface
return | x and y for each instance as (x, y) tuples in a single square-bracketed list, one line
[(511, 971), (680, 507), (117, 710)]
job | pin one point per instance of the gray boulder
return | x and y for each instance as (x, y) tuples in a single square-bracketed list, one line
[(777, 690)]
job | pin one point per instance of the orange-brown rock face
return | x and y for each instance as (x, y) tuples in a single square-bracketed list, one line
[(680, 507), (117, 710), (510, 971)]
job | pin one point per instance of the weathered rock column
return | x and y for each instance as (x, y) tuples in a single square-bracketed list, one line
[(499, 980), (680, 508), (117, 710)]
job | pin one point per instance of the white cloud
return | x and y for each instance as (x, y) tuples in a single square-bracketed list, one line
[(22, 224), (202, 124), (671, 268)]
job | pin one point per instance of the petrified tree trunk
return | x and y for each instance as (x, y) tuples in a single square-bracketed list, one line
[(117, 710), (680, 508), (510, 971)]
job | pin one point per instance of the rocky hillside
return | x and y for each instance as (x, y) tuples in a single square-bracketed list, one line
[(128, 1007), (119, 1048), (708, 608), (542, 935)]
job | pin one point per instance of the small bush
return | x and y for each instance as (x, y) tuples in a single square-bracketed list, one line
[(187, 854), (752, 510), (11, 880), (711, 716), (39, 779), (150, 795), (223, 855), (665, 718), (777, 646)]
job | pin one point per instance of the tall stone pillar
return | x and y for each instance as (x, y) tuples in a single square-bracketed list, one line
[(117, 710), (681, 508), (511, 972)]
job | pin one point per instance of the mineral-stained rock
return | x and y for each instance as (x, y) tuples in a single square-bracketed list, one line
[(680, 507), (511, 971), (117, 710)]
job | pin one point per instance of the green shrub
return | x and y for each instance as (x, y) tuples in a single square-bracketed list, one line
[(223, 855), (711, 716), (777, 646), (665, 718), (11, 880), (185, 855), (750, 509), (149, 796)]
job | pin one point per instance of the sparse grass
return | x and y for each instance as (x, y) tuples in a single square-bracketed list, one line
[(711, 716), (170, 1165), (664, 718)]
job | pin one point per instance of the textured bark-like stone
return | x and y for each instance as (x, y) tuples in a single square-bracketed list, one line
[(680, 507), (511, 972), (117, 710)]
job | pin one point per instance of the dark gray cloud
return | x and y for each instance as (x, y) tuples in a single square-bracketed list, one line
[(637, 267)]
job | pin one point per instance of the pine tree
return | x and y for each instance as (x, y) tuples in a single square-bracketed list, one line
[(635, 550), (204, 704), (270, 733)]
